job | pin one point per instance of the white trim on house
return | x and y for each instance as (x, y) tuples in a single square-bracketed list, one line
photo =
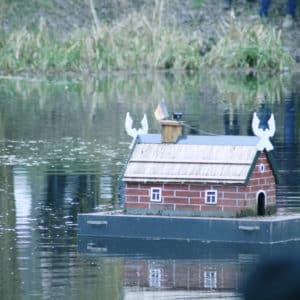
[(265, 193), (210, 279), (155, 194), (262, 168), (211, 197)]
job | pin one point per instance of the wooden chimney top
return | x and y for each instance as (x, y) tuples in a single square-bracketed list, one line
[(171, 130)]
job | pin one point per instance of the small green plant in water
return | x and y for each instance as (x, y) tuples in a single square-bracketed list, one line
[(247, 212)]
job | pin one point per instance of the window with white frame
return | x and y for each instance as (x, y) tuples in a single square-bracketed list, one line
[(155, 276), (211, 197), (155, 194), (210, 279), (261, 168)]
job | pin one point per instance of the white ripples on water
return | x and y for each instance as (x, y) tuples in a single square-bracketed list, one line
[(24, 221), (67, 155)]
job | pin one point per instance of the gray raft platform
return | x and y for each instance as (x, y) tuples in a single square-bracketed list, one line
[(253, 230)]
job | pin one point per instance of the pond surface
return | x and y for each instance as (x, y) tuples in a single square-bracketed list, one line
[(62, 148)]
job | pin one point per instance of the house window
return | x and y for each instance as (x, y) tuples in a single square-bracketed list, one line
[(155, 194), (155, 277), (261, 168), (211, 197), (210, 279)]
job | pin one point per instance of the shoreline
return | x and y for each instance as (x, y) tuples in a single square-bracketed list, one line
[(204, 22)]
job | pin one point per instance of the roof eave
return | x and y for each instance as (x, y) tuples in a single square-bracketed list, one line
[(183, 181), (273, 167), (271, 163)]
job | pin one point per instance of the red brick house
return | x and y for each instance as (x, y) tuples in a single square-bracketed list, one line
[(179, 274), (212, 176)]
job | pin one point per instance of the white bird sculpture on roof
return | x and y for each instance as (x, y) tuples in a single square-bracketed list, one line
[(133, 132), (264, 133)]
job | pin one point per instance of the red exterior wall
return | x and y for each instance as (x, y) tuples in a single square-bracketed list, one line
[(191, 197), (181, 275)]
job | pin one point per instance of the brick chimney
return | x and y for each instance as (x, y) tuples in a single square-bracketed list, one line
[(171, 130)]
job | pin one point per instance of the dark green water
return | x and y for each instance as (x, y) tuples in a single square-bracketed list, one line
[(62, 148)]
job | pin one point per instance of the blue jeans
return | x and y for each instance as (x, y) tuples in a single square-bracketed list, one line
[(290, 7)]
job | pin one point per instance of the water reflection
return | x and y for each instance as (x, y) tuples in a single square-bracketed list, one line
[(166, 269), (24, 227), (288, 157), (10, 283), (62, 148), (193, 278), (231, 123)]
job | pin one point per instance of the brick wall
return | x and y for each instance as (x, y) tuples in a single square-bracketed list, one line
[(262, 181), (231, 200), (181, 274)]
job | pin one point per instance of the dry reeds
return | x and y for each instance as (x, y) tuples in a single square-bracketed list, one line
[(242, 46), (140, 41)]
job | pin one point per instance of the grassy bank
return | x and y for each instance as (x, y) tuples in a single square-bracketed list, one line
[(249, 46), (140, 41)]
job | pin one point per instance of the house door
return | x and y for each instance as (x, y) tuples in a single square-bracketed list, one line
[(261, 210)]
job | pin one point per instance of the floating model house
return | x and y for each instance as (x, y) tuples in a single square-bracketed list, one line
[(211, 176), (196, 188)]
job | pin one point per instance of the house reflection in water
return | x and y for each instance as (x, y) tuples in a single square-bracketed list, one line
[(220, 276)]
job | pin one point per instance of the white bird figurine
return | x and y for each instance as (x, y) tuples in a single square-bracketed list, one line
[(264, 134), (133, 132)]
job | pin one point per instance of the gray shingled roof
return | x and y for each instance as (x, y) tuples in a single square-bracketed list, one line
[(210, 159)]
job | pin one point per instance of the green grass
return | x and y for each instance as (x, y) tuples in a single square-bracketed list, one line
[(197, 3)]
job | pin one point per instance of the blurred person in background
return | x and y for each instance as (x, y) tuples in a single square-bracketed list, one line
[(291, 6)]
